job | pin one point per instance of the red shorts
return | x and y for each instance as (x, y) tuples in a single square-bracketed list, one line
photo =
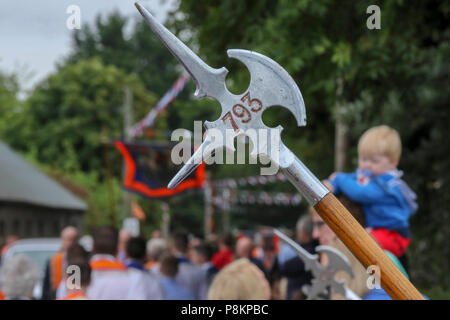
[(391, 240)]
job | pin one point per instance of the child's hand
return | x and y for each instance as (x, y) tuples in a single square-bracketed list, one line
[(327, 184), (332, 176)]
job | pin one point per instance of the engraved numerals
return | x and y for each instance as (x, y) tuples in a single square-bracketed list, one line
[(241, 112)]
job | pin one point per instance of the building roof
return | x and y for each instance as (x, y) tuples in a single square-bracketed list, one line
[(22, 182)]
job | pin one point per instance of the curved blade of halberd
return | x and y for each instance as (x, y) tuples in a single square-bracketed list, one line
[(210, 82), (271, 79), (337, 261), (310, 260), (326, 277)]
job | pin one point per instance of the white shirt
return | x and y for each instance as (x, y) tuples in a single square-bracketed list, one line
[(111, 284), (144, 285)]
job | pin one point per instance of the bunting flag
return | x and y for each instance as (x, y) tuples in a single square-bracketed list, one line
[(261, 198), (148, 170), (170, 95), (252, 181)]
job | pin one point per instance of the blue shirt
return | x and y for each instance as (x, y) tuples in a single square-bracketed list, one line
[(135, 265), (380, 294), (174, 291), (377, 294), (386, 199)]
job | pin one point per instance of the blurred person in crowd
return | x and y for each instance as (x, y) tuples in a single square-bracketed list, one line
[(157, 234), (172, 290), (124, 236), (193, 241), (155, 248), (54, 271), (135, 253), (290, 264), (225, 254), (18, 276), (189, 275), (213, 242), (244, 249), (110, 278), (75, 253), (323, 233), (201, 256), (269, 253), (77, 291), (141, 279), (240, 280)]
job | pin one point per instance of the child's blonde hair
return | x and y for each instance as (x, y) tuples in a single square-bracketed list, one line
[(382, 140)]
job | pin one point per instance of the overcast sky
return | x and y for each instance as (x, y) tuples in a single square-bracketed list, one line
[(34, 35)]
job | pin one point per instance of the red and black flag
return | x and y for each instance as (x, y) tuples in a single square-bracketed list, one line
[(149, 168)]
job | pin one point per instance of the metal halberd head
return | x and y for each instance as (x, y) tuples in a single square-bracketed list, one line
[(270, 85), (324, 276)]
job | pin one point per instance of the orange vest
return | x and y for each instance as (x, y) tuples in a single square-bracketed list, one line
[(56, 269), (149, 265), (74, 296), (104, 264), (2, 295)]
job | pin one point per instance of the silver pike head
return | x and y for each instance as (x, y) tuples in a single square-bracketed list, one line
[(270, 85)]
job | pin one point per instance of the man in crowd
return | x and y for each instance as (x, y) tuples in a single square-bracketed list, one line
[(56, 266), (291, 266), (172, 289), (141, 279), (189, 275), (225, 254), (155, 249), (201, 256), (74, 288), (110, 277), (244, 249)]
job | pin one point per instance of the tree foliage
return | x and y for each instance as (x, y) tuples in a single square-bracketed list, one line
[(72, 114), (138, 53)]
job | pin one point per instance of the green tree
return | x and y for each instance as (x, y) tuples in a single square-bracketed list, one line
[(10, 107), (73, 113), (139, 52)]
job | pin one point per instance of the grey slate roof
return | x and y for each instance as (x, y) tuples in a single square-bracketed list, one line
[(22, 182)]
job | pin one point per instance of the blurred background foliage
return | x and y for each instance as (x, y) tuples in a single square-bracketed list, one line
[(349, 75)]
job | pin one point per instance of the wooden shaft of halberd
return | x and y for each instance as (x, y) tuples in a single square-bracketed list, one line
[(365, 249)]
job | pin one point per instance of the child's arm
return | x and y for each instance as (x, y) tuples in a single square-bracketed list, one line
[(331, 183), (364, 194)]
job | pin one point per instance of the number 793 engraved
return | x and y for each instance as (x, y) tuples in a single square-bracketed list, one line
[(242, 112)]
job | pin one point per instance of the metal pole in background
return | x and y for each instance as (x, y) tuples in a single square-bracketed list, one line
[(165, 221), (111, 200), (226, 195), (209, 209), (127, 124)]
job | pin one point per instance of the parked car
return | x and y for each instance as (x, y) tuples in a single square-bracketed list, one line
[(39, 250)]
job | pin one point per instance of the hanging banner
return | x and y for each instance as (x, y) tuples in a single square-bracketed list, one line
[(149, 168)]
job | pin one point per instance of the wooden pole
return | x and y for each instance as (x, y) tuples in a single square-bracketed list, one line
[(365, 249)]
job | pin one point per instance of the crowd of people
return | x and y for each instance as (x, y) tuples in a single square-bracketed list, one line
[(231, 266), (121, 266)]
